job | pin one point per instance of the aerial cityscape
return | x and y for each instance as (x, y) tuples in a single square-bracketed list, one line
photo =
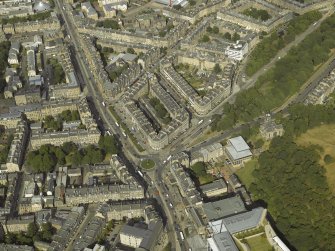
[(167, 125)]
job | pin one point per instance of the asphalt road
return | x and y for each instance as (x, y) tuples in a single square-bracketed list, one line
[(91, 85), (107, 118)]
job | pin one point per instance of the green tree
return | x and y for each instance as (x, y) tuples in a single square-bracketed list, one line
[(109, 144), (209, 29), (217, 69), (205, 39), (328, 159), (69, 147), (76, 159), (4, 49), (216, 30), (47, 231), (10, 238), (259, 143), (227, 36), (49, 163), (32, 229), (162, 33), (22, 239), (131, 50), (109, 24), (236, 36), (60, 155), (192, 2)]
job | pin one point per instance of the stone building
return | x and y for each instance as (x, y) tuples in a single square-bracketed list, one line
[(78, 136), (13, 53), (18, 147), (129, 209), (238, 151), (269, 129), (201, 105), (16, 225), (102, 193)]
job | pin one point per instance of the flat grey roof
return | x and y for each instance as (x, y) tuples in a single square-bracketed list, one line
[(224, 208), (216, 184), (222, 242), (238, 154), (134, 231), (239, 143), (244, 221)]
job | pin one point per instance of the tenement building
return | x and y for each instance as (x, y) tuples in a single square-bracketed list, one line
[(18, 147), (201, 105)]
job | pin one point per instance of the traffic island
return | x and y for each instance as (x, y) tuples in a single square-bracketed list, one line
[(148, 164)]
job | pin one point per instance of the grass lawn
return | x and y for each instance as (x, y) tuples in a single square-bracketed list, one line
[(259, 243), (168, 247), (147, 164), (322, 136), (245, 173), (207, 178), (200, 175)]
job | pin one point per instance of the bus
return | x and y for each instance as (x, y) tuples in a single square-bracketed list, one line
[(181, 235), (140, 173)]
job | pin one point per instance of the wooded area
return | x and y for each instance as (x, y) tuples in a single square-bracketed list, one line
[(283, 80), (4, 49), (34, 17), (48, 157), (270, 45), (290, 180)]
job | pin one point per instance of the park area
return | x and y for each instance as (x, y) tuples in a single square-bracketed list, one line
[(324, 137), (245, 173)]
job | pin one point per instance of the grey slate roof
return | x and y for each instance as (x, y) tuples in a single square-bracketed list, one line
[(244, 221), (216, 184), (224, 208), (238, 148), (223, 242)]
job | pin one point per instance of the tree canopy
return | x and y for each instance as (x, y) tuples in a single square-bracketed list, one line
[(34, 17), (283, 80), (290, 180), (293, 184), (4, 49), (48, 157), (269, 46), (56, 123), (262, 15), (34, 233), (58, 74), (108, 23)]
